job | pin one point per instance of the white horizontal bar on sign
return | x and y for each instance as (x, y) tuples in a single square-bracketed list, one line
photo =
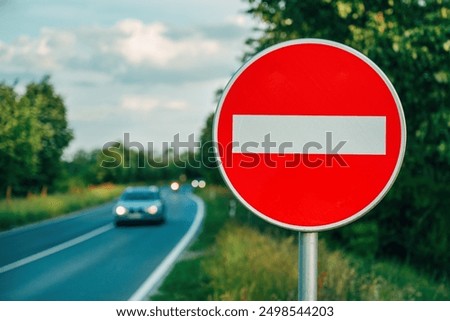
[(273, 134)]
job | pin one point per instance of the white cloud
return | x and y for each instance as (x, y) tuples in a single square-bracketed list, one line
[(123, 77), (239, 20), (126, 48), (49, 52), (142, 44), (177, 104), (149, 44), (139, 103)]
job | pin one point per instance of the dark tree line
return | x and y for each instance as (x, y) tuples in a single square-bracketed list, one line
[(121, 164)]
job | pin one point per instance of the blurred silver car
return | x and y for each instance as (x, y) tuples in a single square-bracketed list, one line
[(139, 204)]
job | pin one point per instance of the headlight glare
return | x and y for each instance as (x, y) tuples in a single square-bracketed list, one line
[(175, 186), (153, 209), (120, 210)]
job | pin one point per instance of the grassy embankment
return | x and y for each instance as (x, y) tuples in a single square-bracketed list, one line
[(23, 211), (243, 258)]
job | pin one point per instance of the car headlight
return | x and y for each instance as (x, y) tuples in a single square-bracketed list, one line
[(153, 209), (120, 210)]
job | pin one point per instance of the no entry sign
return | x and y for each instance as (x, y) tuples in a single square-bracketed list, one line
[(310, 134)]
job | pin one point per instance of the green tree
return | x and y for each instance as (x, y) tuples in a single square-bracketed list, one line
[(118, 163), (20, 143), (209, 165), (80, 171), (409, 41), (55, 133)]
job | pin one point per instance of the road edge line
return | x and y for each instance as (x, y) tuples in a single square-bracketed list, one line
[(166, 265)]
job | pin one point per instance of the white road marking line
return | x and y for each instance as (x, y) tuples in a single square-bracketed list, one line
[(164, 267), (363, 135), (56, 248)]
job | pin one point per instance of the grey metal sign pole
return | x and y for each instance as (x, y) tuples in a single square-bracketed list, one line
[(307, 266)]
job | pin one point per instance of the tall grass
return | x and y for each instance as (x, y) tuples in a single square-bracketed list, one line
[(249, 265), (241, 258), (21, 211)]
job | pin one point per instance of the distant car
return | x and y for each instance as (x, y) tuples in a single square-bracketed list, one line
[(139, 204)]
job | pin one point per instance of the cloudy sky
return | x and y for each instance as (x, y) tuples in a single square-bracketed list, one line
[(148, 68)]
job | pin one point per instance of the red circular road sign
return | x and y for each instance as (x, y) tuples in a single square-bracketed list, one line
[(310, 134)]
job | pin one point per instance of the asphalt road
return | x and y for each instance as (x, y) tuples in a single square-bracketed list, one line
[(84, 257)]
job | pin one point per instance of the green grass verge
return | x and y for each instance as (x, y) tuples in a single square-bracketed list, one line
[(242, 258), (18, 212)]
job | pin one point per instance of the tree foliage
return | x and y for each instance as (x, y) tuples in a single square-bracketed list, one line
[(34, 133), (20, 143), (209, 165), (120, 163), (55, 136), (410, 41)]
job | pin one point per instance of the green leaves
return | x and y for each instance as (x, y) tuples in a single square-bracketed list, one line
[(55, 134), (34, 134), (20, 132)]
